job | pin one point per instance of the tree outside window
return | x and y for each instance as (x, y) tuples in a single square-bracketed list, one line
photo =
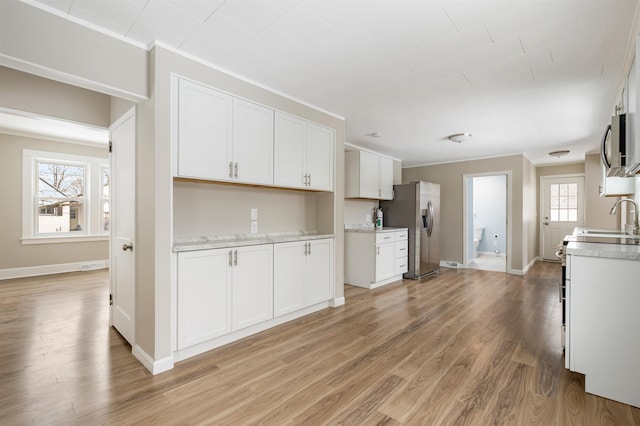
[(61, 198), (106, 184)]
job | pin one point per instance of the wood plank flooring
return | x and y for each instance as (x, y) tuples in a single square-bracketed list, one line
[(465, 347)]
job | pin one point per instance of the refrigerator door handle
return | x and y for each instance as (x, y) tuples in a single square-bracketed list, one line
[(429, 218)]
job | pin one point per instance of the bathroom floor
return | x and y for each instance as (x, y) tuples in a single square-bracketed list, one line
[(489, 262)]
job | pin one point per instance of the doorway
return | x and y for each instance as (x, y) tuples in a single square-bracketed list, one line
[(486, 221), (561, 210)]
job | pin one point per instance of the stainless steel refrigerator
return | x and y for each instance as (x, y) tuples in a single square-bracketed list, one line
[(416, 206)]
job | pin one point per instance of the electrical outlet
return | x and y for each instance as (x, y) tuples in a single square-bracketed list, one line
[(254, 227), (254, 214)]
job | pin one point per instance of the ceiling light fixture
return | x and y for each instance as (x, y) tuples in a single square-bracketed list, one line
[(460, 137), (560, 153)]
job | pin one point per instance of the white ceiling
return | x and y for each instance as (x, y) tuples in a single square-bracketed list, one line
[(523, 76)]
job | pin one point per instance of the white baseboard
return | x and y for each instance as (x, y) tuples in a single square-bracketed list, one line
[(338, 301), (155, 367), (33, 271)]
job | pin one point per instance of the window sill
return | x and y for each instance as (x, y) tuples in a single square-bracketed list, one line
[(56, 240)]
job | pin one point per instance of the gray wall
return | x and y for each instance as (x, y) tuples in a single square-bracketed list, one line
[(25, 92), (13, 254), (41, 43), (450, 178)]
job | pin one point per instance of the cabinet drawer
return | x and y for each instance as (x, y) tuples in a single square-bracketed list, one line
[(402, 248), (385, 237), (402, 265), (402, 235)]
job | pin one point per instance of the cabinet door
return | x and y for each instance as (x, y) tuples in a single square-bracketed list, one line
[(386, 178), (288, 277), (252, 143), (369, 175), (289, 151), (204, 132), (252, 285), (385, 261), (204, 296), (320, 143), (319, 272)]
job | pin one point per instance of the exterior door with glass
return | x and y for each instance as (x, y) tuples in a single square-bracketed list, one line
[(562, 209)]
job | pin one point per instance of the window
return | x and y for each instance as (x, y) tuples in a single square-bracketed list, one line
[(64, 196), (60, 199), (564, 202)]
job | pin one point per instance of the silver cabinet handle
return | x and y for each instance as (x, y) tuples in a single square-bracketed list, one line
[(126, 247), (309, 183), (235, 257), (235, 170), (378, 250), (230, 257), (230, 169), (309, 248)]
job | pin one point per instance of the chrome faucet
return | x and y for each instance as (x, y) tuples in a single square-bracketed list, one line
[(636, 226)]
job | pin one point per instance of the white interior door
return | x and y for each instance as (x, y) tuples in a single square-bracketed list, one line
[(562, 208), (123, 226)]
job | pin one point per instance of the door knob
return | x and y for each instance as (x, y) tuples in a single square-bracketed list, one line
[(546, 223), (126, 247)]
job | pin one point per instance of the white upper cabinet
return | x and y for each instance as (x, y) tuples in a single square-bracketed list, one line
[(368, 175), (303, 154), (223, 138), (204, 132), (386, 178), (320, 143), (252, 143)]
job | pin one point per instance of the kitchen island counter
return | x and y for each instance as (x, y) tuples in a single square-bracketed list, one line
[(604, 250)]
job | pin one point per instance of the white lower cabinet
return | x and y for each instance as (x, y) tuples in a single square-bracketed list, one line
[(385, 259), (204, 296), (602, 325), (223, 290), (252, 285), (303, 274), (222, 293), (373, 259)]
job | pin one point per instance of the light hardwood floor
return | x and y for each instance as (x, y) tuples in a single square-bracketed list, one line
[(463, 347)]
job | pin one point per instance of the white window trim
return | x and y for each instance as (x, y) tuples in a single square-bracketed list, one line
[(93, 197)]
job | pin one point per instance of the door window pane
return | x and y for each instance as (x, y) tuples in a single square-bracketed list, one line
[(563, 202)]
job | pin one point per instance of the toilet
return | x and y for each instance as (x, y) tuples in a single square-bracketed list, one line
[(477, 236)]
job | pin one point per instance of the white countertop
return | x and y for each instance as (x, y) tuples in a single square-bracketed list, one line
[(237, 240), (611, 251), (372, 229)]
